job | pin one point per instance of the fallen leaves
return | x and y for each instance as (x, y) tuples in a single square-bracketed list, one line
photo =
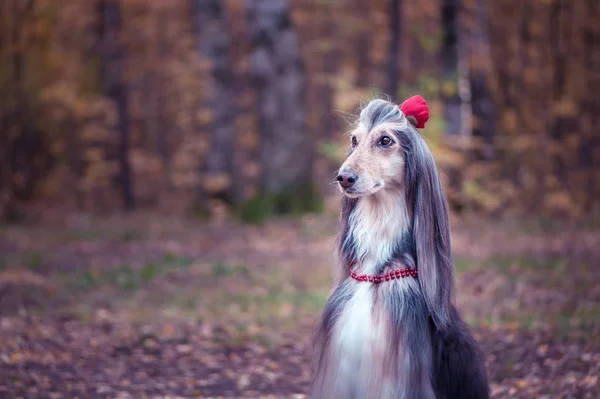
[(237, 321)]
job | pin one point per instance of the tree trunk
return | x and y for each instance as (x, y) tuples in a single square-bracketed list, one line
[(484, 116), (279, 79), (450, 61), (326, 90), (561, 124), (210, 24), (161, 117), (10, 39), (114, 87), (362, 44), (13, 126), (590, 107), (395, 21)]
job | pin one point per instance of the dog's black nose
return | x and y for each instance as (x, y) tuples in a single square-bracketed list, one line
[(347, 179)]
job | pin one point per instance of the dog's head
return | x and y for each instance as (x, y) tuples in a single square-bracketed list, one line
[(380, 147), (376, 157), (388, 155)]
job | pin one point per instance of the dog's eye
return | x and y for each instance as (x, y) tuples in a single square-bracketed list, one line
[(385, 141), (354, 141)]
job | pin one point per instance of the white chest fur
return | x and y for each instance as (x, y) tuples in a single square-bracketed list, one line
[(361, 350), (358, 339), (375, 225), (359, 343)]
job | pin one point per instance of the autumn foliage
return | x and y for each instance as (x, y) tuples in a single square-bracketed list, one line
[(113, 104)]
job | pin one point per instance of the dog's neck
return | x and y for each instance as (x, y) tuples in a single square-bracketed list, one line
[(376, 226)]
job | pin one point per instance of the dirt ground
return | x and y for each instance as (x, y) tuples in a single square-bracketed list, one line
[(149, 306)]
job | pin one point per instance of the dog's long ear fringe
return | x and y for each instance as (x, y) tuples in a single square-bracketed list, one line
[(346, 254), (413, 121), (432, 235)]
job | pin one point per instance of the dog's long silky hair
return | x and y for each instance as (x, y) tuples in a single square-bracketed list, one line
[(401, 338)]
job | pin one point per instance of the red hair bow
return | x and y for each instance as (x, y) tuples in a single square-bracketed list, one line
[(416, 107)]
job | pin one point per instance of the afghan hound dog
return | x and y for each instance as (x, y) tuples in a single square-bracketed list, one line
[(389, 328)]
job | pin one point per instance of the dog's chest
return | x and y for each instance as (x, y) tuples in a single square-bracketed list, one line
[(359, 339)]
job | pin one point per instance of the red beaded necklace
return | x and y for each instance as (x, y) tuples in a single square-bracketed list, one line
[(378, 278)]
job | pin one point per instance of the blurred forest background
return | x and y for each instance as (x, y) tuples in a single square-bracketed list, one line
[(203, 105), (167, 206)]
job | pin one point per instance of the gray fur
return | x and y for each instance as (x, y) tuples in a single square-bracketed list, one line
[(430, 352)]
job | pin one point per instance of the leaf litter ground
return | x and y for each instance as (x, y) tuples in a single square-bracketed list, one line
[(151, 307)]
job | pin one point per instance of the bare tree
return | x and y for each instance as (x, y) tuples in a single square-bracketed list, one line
[(279, 80), (15, 131), (326, 90), (450, 65), (482, 104), (210, 22), (153, 86), (395, 22), (362, 40), (589, 11), (113, 85)]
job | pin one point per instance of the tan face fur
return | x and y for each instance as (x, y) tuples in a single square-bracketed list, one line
[(375, 164)]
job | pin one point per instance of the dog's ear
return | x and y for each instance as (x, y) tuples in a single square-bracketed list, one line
[(431, 232)]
